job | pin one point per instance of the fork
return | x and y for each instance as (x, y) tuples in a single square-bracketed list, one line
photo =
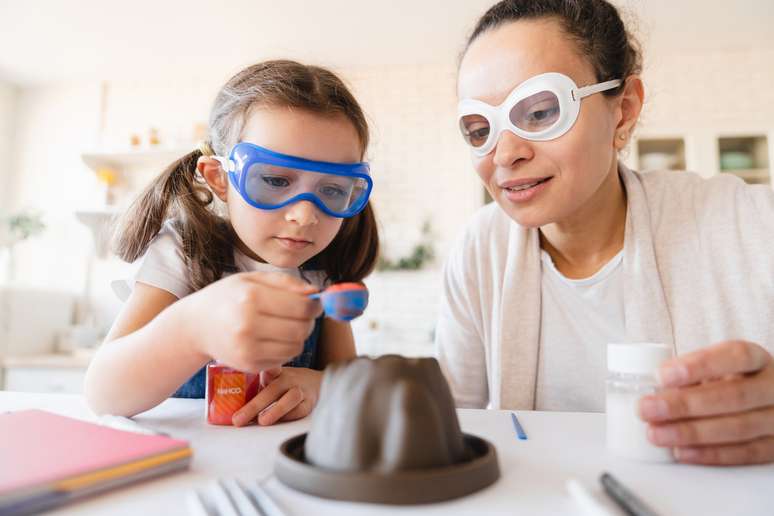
[(230, 497)]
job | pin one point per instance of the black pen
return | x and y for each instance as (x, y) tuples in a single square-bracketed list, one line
[(625, 498)]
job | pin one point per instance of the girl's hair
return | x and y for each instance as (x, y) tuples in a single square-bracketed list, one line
[(180, 194), (594, 25)]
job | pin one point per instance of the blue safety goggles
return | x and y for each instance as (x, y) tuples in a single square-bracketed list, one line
[(269, 180)]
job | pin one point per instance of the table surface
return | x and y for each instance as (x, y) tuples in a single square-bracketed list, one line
[(533, 472)]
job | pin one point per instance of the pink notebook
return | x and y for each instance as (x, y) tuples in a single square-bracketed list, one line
[(44, 452)]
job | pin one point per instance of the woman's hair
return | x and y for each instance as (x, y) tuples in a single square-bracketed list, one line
[(594, 25), (180, 194)]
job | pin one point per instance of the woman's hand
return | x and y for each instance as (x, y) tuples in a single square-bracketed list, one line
[(716, 405), (291, 393), (251, 321)]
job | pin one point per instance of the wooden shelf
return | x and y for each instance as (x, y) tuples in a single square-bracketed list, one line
[(661, 154), (753, 176), (746, 157), (130, 170), (131, 158)]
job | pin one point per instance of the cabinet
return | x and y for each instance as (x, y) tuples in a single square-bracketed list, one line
[(45, 373), (44, 379), (745, 154), (746, 157), (661, 154)]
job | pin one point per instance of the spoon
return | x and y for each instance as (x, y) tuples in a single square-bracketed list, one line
[(343, 301)]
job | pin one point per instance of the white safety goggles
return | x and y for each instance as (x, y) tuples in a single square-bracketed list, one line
[(543, 107)]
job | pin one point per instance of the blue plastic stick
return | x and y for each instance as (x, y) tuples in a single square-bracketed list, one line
[(519, 430)]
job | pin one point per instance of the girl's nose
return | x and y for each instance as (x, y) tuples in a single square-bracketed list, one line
[(303, 213)]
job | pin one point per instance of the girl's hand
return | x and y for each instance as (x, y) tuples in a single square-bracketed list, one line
[(268, 376), (251, 321), (290, 395), (716, 406)]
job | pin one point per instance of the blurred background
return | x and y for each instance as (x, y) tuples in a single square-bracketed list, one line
[(97, 97)]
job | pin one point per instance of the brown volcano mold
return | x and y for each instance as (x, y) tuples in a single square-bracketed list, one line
[(385, 431)]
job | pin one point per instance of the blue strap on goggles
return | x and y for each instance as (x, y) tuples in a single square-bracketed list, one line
[(269, 180)]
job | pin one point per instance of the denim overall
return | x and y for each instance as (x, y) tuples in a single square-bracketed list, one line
[(195, 386)]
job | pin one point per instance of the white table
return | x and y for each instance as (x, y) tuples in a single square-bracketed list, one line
[(560, 445)]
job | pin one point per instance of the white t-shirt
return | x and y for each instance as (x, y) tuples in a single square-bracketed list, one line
[(163, 266), (578, 319)]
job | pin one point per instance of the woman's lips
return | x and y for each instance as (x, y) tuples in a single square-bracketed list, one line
[(517, 184), (523, 190)]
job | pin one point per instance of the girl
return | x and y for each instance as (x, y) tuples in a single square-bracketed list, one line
[(578, 251), (284, 154)]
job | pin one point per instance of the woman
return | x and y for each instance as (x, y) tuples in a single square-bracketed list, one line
[(578, 251)]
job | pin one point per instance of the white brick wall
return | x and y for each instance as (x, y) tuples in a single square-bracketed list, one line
[(401, 314), (420, 165), (8, 98)]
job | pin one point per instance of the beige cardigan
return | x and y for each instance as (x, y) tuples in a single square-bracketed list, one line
[(698, 268)]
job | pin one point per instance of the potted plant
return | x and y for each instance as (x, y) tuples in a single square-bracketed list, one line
[(14, 229), (422, 254)]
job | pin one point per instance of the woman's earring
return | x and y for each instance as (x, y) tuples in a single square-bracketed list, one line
[(622, 136)]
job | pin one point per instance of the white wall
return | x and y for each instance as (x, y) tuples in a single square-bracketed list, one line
[(55, 123), (421, 166), (8, 99)]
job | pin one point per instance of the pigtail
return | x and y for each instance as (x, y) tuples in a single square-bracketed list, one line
[(144, 218), (178, 194)]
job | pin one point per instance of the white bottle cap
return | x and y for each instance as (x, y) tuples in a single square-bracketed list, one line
[(637, 357)]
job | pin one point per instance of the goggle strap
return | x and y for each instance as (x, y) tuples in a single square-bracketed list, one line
[(284, 160), (595, 88), (225, 163)]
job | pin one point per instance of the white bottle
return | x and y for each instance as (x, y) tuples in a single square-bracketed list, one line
[(632, 375)]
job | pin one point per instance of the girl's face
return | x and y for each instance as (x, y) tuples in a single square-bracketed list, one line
[(289, 236), (578, 163)]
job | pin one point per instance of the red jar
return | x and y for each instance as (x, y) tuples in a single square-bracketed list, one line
[(228, 390)]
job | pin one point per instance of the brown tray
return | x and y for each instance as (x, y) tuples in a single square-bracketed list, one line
[(416, 486)]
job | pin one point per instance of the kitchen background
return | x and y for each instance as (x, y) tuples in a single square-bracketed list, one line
[(97, 97)]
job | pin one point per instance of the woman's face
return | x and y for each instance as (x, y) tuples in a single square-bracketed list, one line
[(574, 166), (291, 235)]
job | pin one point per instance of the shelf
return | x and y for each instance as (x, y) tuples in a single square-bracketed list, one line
[(121, 174), (98, 221), (131, 158), (746, 157), (661, 154), (752, 176)]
